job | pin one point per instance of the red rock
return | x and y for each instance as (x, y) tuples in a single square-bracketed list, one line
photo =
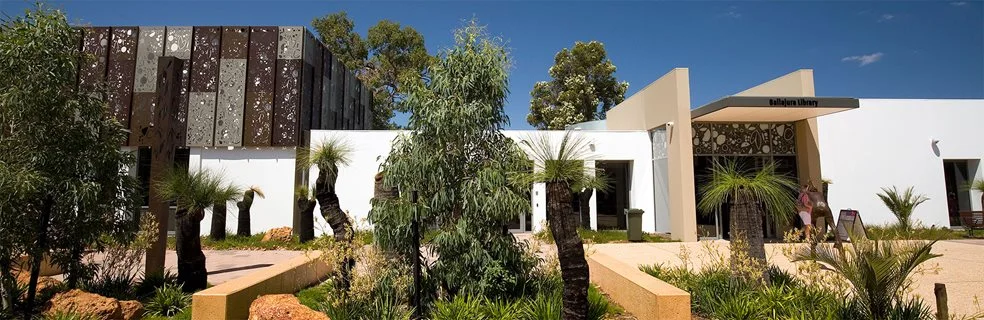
[(131, 309), (283, 234), (282, 307), (81, 302)]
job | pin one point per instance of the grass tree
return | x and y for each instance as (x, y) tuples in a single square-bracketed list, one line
[(192, 193), (878, 272), (902, 204), (305, 206), (244, 205), (748, 192), (560, 166), (327, 156)]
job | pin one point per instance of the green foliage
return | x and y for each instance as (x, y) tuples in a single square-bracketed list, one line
[(601, 236), (196, 190), (149, 283), (560, 162), (327, 156), (878, 271), (460, 307), (544, 305), (168, 301), (69, 316), (61, 158), (583, 88), (902, 204), (117, 286), (389, 60), (456, 158), (772, 189), (915, 232)]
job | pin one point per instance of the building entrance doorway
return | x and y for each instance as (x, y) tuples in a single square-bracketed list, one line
[(957, 176), (611, 205), (717, 224)]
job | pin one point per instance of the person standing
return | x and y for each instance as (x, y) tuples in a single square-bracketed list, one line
[(804, 208)]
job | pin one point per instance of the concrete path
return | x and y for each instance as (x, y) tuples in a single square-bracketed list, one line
[(961, 267), (225, 265)]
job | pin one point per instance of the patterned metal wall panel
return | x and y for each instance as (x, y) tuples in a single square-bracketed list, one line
[(287, 102), (95, 45), (784, 139), (231, 98), (205, 59), (178, 44), (307, 83), (149, 47), (201, 118), (325, 121), (337, 94), (659, 143), (261, 72), (316, 92), (119, 78), (230, 102), (744, 139), (290, 43), (204, 86)]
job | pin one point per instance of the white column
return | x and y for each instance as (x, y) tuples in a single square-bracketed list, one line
[(539, 201), (593, 203)]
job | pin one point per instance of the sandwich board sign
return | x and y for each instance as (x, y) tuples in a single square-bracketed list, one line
[(850, 220)]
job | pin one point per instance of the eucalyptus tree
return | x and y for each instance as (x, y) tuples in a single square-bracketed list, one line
[(192, 193), (560, 166), (748, 192), (457, 160), (65, 181)]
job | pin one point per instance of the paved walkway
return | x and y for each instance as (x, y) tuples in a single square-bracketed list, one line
[(225, 265), (961, 267)]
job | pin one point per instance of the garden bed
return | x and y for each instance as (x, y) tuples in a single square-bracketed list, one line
[(603, 236)]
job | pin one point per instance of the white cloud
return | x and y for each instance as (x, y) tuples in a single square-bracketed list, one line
[(886, 17), (732, 13), (864, 60), (958, 3)]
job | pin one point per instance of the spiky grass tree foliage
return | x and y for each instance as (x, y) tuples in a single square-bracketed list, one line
[(748, 192), (244, 205), (327, 156), (901, 204), (456, 158), (192, 193), (560, 165), (64, 180), (878, 271)]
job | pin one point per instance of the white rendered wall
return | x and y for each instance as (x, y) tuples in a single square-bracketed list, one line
[(888, 142), (270, 168), (370, 148)]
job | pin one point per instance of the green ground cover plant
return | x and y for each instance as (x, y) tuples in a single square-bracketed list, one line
[(602, 236)]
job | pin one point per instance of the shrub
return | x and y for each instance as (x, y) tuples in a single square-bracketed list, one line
[(149, 284), (168, 301), (69, 316), (902, 204), (112, 285), (461, 307)]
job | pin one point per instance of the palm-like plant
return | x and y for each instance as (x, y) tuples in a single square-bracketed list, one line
[(193, 192), (902, 204), (328, 156), (748, 192), (878, 271), (561, 168), (243, 228)]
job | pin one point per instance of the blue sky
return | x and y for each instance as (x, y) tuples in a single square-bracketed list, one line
[(865, 49)]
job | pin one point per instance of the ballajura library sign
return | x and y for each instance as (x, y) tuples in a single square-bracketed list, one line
[(801, 102)]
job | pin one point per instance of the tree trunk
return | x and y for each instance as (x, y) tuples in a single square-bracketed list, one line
[(584, 200), (570, 250), (37, 256), (218, 232), (242, 229), (746, 225), (192, 274), (331, 210), (305, 221)]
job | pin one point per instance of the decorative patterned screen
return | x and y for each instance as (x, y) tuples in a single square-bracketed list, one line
[(744, 139)]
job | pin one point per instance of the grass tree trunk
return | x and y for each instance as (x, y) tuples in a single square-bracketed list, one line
[(192, 274), (305, 225), (570, 250), (746, 228), (331, 210), (218, 232), (584, 201), (242, 228)]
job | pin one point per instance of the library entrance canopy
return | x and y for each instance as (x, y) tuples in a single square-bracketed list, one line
[(770, 109)]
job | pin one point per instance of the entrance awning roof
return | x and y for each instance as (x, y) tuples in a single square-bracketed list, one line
[(770, 109)]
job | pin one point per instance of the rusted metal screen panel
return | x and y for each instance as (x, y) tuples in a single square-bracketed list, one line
[(287, 98), (203, 86), (177, 44), (119, 77), (150, 47), (261, 72), (230, 100), (95, 46)]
